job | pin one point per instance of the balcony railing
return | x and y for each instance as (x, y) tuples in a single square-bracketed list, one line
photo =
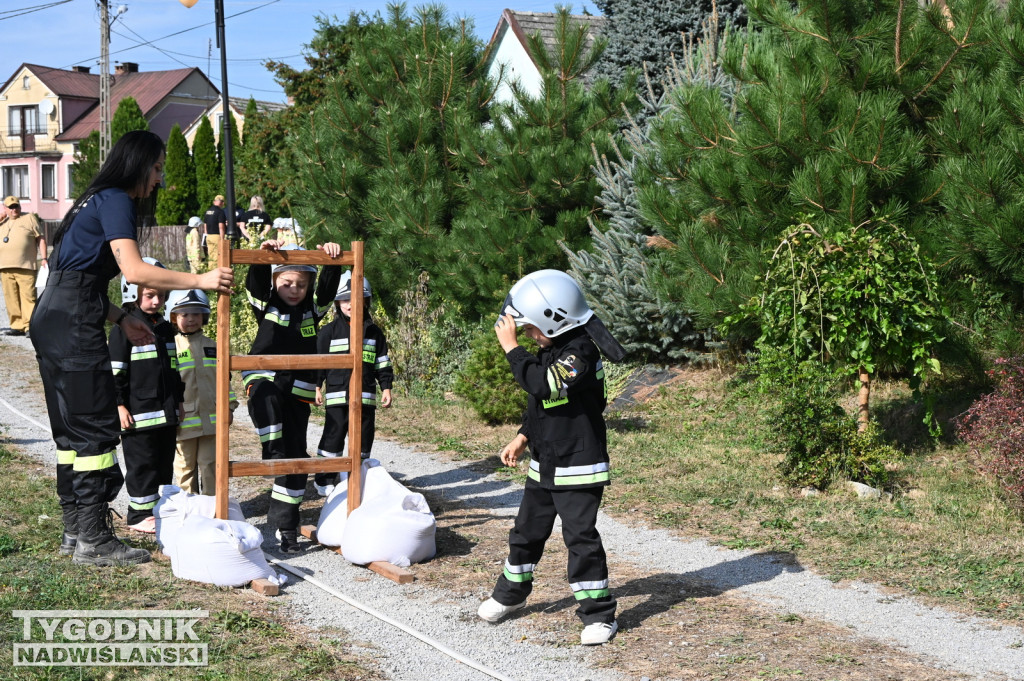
[(39, 138)]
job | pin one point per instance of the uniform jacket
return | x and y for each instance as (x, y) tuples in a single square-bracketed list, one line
[(376, 363), (197, 364), (563, 422), (288, 330), (146, 378)]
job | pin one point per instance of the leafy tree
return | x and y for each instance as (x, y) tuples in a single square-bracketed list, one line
[(209, 181), (531, 189), (178, 198), (377, 148), (258, 161), (127, 117), (236, 147), (647, 33), (87, 163)]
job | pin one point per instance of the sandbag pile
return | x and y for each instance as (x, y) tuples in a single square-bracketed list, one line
[(391, 525), (206, 549)]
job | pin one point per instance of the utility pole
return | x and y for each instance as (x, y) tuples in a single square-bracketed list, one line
[(104, 80)]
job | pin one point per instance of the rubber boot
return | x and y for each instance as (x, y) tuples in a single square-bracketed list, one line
[(70, 536), (97, 543)]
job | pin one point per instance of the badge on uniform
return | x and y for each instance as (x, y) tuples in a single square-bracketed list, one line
[(566, 369)]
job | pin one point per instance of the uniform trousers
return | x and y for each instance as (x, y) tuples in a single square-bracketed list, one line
[(588, 567), (149, 463), (74, 365), (212, 251), (195, 465), (281, 420), (332, 442), (19, 287)]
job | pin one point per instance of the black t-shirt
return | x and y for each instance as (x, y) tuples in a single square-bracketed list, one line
[(256, 221), (213, 218)]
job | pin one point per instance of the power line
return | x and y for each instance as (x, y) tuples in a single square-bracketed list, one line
[(22, 11)]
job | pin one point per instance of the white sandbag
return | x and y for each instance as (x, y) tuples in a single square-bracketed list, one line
[(390, 528), (175, 505), (220, 552), (331, 525)]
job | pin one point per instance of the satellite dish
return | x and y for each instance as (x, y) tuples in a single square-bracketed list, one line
[(46, 107)]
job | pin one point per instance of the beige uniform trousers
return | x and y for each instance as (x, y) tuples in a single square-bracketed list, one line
[(212, 251), (19, 295), (195, 465)]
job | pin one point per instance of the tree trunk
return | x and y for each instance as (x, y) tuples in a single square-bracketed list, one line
[(863, 399)]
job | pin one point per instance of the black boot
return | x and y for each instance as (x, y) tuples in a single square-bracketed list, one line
[(70, 538), (289, 541), (97, 543)]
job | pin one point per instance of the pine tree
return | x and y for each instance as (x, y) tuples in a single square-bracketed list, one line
[(87, 163), (649, 32), (127, 117), (178, 198), (532, 190), (377, 148), (209, 181)]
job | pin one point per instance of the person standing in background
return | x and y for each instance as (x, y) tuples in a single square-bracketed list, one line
[(255, 223), (21, 237), (216, 225)]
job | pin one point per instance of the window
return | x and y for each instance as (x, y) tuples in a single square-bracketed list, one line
[(49, 183), (24, 120), (71, 180), (25, 83), (16, 181)]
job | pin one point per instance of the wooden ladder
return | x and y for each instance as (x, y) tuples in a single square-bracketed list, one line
[(351, 464)]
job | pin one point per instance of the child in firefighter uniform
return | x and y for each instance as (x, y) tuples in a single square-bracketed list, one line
[(287, 312), (195, 457), (334, 337), (149, 395), (565, 430)]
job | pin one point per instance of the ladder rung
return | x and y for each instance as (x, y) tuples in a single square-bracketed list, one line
[(320, 464), (250, 362), (244, 256)]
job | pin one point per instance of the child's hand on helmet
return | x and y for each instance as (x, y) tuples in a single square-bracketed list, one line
[(505, 330)]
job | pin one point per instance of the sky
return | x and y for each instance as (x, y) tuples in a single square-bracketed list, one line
[(164, 34)]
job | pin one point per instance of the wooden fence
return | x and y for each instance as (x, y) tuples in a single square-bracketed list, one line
[(165, 243)]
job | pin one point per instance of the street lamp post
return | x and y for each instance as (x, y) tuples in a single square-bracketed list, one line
[(226, 131)]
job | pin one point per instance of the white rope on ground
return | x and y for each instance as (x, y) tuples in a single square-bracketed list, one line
[(381, 616), (27, 418)]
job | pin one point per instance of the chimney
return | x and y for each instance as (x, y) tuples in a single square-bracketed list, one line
[(126, 67), (80, 69)]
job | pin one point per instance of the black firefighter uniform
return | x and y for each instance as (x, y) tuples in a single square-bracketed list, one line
[(279, 400), (569, 469), (147, 383)]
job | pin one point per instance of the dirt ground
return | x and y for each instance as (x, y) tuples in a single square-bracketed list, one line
[(671, 627)]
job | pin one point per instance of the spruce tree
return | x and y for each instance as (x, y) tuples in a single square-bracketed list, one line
[(531, 189), (614, 271), (178, 198), (377, 162), (127, 117), (87, 163), (209, 181), (650, 32)]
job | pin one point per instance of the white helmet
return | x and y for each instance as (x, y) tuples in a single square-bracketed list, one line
[(277, 269), (195, 221), (550, 300), (130, 292), (345, 288), (188, 300)]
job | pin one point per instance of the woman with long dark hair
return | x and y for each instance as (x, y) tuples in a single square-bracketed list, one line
[(97, 240)]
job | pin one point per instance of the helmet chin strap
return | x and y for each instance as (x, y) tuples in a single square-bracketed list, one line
[(604, 340)]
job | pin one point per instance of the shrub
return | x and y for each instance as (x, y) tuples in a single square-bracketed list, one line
[(993, 428), (804, 422), (486, 381)]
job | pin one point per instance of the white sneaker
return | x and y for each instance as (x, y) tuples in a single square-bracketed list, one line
[(324, 490), (492, 611), (146, 525), (597, 633)]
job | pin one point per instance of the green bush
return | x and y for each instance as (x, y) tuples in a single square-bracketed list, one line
[(486, 382), (804, 422)]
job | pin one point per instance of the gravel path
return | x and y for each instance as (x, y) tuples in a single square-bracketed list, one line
[(980, 648)]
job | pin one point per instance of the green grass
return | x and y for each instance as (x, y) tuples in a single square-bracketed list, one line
[(245, 637), (694, 459)]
